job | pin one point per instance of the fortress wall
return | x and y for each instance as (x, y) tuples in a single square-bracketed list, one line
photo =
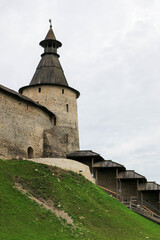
[(22, 125), (57, 99)]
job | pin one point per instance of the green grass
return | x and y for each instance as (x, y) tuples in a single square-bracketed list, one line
[(96, 215)]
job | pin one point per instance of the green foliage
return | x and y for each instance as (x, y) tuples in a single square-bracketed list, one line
[(96, 215)]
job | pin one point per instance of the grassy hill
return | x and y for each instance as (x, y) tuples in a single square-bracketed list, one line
[(36, 201)]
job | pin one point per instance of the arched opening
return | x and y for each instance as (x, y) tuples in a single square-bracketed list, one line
[(30, 152)]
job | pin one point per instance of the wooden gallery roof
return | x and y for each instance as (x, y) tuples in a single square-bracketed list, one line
[(85, 154), (131, 174), (108, 164), (149, 186)]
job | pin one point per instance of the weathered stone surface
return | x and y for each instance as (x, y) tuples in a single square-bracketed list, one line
[(22, 126), (63, 103), (25, 125)]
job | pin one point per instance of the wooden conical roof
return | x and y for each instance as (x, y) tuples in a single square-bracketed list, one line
[(49, 70), (50, 35)]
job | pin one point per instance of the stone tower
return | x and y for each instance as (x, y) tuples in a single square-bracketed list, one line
[(49, 88)]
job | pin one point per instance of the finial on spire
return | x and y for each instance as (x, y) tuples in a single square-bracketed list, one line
[(50, 20)]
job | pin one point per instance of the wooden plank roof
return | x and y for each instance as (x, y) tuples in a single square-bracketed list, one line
[(84, 154), (149, 186), (26, 99), (49, 71), (130, 174), (108, 164)]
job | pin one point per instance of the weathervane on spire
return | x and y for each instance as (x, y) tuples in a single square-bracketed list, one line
[(50, 20)]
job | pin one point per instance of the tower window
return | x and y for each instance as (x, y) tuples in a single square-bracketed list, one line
[(62, 91), (39, 90), (67, 108)]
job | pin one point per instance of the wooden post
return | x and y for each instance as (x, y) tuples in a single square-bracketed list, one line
[(116, 183), (92, 170), (96, 176), (120, 189), (141, 198), (92, 161), (137, 190)]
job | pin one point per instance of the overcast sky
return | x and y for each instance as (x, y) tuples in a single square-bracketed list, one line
[(111, 54)]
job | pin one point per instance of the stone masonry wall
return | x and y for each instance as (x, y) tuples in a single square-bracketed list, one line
[(62, 102), (22, 125)]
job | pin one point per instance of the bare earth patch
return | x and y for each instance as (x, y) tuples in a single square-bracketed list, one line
[(48, 204)]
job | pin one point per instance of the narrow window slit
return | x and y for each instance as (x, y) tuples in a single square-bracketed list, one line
[(54, 121), (67, 108)]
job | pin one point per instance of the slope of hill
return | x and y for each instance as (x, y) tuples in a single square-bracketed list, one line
[(45, 203)]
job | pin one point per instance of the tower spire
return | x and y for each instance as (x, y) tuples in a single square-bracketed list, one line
[(50, 20), (49, 70), (50, 43)]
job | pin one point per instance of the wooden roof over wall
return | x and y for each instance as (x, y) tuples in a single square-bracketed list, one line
[(149, 186), (108, 164), (84, 154), (49, 71), (130, 174)]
